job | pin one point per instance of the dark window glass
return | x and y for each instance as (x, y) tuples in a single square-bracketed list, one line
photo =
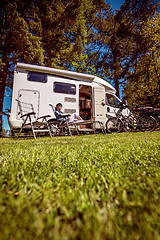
[(117, 102), (112, 100), (37, 77), (64, 88)]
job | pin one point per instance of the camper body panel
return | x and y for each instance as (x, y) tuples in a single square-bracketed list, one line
[(84, 95)]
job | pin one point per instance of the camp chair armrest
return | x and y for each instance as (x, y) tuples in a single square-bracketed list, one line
[(45, 116), (28, 114), (65, 115)]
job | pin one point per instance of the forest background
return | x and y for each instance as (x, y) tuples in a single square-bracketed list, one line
[(89, 36)]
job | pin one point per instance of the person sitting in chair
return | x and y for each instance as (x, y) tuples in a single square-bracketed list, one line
[(60, 115)]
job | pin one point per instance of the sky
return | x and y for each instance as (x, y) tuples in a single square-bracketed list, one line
[(116, 4)]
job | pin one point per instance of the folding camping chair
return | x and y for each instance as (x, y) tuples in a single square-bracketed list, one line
[(54, 124), (57, 126), (28, 116)]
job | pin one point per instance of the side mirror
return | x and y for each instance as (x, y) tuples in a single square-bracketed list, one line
[(126, 103), (103, 103)]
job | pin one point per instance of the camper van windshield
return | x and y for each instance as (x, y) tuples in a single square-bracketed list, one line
[(37, 77), (112, 100), (64, 88)]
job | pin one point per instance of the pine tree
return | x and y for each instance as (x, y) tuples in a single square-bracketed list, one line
[(20, 39), (70, 32)]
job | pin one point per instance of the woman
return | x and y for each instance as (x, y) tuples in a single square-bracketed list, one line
[(60, 115)]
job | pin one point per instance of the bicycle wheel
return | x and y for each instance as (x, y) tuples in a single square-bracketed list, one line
[(54, 128), (114, 125), (147, 124), (128, 125)]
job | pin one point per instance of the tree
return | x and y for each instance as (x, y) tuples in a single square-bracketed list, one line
[(54, 33), (20, 39), (122, 40), (144, 85), (70, 30)]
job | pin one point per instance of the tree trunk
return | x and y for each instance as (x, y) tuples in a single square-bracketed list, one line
[(3, 79), (115, 69), (116, 82), (2, 89)]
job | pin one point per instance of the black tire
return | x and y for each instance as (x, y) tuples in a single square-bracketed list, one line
[(130, 123), (147, 124), (12, 133), (127, 126), (114, 125)]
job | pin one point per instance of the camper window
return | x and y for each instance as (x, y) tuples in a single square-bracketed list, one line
[(64, 88), (37, 77)]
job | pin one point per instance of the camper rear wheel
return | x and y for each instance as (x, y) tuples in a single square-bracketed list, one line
[(114, 125)]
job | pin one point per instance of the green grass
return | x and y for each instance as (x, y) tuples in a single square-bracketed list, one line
[(89, 187)]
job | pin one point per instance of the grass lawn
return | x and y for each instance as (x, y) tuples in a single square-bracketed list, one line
[(90, 187)]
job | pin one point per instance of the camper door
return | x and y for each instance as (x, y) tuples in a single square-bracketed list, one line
[(99, 99)]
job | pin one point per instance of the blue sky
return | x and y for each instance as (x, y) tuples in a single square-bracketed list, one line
[(7, 104), (116, 4)]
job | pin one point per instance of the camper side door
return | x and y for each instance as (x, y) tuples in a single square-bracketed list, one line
[(99, 107), (112, 104)]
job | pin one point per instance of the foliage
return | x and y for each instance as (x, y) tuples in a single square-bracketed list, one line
[(87, 187), (144, 86), (122, 40), (20, 37), (73, 44)]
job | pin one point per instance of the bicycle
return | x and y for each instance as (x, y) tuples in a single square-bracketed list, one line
[(150, 119), (121, 122), (147, 120)]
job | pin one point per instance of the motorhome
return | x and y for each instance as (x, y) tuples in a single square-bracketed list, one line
[(80, 93)]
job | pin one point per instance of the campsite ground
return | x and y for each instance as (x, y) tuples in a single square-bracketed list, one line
[(87, 187)]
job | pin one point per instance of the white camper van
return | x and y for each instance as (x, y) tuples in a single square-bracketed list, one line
[(84, 94)]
